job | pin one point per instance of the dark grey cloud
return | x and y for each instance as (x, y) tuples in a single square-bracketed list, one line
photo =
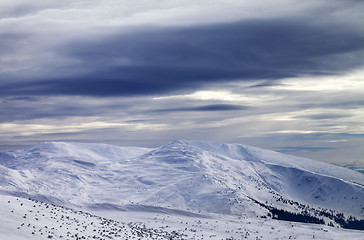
[(212, 107), (321, 140), (298, 149), (339, 103), (30, 108), (324, 116), (161, 60), (265, 83)]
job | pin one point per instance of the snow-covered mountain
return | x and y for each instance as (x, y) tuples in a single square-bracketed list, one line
[(190, 178)]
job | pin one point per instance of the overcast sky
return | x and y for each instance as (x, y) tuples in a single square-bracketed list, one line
[(284, 75)]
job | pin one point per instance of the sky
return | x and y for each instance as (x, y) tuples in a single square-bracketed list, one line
[(284, 75)]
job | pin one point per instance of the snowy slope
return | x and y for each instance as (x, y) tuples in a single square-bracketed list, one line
[(190, 178), (40, 154), (24, 219), (244, 152), (299, 179)]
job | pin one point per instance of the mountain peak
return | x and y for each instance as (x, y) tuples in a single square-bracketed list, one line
[(197, 176)]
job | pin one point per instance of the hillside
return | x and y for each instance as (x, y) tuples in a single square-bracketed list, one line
[(186, 178)]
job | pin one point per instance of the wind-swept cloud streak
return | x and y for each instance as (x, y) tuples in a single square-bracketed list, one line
[(214, 107)]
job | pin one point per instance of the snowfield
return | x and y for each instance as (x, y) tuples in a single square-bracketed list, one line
[(182, 190)]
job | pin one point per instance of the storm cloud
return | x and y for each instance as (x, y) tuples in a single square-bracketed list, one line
[(214, 107), (162, 60)]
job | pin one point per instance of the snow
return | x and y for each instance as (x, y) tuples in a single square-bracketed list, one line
[(181, 183), (249, 153), (24, 219)]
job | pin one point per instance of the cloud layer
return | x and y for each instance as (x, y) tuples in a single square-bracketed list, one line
[(284, 75)]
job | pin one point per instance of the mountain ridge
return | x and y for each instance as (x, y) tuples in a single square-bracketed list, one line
[(188, 176)]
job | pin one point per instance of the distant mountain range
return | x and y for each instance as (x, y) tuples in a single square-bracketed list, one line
[(191, 178), (354, 165)]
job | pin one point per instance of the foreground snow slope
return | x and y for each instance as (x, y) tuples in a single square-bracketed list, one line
[(183, 177), (23, 219)]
